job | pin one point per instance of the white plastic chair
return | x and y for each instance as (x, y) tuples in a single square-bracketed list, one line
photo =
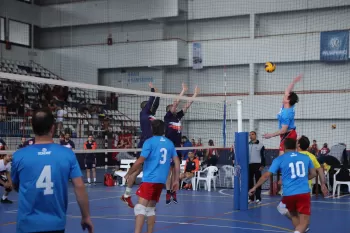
[(210, 176), (337, 184), (228, 174)]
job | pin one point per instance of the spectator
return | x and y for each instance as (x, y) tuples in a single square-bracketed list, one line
[(193, 142), (67, 142), (90, 159), (59, 118), (324, 151), (314, 148), (22, 145), (185, 143), (212, 155), (192, 166)]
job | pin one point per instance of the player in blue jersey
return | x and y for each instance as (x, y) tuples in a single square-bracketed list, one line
[(157, 153), (173, 129), (148, 110), (286, 125), (297, 169), (41, 173)]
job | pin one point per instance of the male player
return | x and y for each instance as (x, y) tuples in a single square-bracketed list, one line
[(303, 145), (157, 152), (5, 177), (66, 142), (41, 172), (172, 121), (296, 169), (90, 159), (286, 126), (148, 110)]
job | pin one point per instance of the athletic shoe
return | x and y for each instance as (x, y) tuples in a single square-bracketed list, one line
[(173, 194), (128, 201), (88, 184), (186, 186), (6, 201), (168, 198), (250, 201), (258, 201)]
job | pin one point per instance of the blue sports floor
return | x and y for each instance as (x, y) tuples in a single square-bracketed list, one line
[(197, 212)]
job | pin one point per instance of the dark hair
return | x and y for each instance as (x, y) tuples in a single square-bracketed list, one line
[(42, 121), (253, 132), (290, 144), (304, 142), (158, 128), (143, 104), (211, 142), (168, 107), (184, 137), (293, 98)]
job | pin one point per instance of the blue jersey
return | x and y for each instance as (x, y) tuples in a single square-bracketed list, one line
[(158, 151), (42, 172), (173, 127), (295, 172), (286, 117), (146, 117)]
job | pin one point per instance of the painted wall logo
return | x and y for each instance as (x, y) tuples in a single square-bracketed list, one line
[(334, 46), (44, 152)]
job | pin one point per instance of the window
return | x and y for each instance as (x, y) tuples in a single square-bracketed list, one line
[(19, 33), (2, 29)]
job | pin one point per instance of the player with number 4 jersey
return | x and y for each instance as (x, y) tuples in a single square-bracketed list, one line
[(41, 173), (296, 170), (156, 155)]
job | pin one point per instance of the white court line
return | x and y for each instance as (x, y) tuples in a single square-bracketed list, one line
[(221, 191), (331, 197), (185, 223)]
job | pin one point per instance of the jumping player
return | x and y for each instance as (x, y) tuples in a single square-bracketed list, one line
[(5, 178), (41, 173), (157, 152), (90, 159), (148, 110), (296, 169), (172, 121), (286, 126)]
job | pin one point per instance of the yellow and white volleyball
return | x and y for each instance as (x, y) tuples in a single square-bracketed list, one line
[(334, 126), (270, 67)]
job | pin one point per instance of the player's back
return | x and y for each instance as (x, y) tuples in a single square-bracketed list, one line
[(43, 172), (295, 173), (158, 152)]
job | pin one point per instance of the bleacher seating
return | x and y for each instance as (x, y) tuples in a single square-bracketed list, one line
[(79, 120)]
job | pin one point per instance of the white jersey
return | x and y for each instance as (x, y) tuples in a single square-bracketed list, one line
[(4, 168)]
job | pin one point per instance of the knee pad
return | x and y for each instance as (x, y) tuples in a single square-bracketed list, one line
[(150, 211), (282, 208), (139, 209)]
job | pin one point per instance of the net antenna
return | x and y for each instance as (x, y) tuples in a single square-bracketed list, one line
[(239, 116), (225, 105)]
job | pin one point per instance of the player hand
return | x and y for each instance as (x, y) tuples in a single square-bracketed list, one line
[(267, 136), (175, 186), (298, 78), (7, 185), (150, 85), (86, 223), (196, 90), (261, 168), (252, 191), (126, 177), (184, 87), (324, 190)]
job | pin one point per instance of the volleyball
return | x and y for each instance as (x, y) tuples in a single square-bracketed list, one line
[(270, 67), (334, 126)]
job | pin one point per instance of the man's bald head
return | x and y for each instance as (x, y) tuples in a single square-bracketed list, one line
[(42, 121)]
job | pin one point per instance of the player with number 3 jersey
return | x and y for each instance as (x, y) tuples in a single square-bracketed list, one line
[(296, 170), (156, 155), (41, 173)]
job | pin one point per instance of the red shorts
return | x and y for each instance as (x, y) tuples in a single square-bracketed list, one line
[(300, 203), (291, 134), (150, 191)]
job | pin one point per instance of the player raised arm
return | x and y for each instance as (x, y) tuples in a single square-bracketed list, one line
[(189, 103), (155, 101), (290, 87), (177, 101)]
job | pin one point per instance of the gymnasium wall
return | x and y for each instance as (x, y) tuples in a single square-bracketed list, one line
[(153, 39)]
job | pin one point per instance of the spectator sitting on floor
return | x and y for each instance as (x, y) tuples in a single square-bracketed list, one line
[(185, 143), (192, 166)]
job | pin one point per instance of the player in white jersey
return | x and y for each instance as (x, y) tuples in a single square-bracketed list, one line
[(5, 178)]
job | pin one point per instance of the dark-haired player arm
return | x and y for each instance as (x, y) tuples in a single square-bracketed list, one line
[(312, 173), (189, 103), (153, 102), (177, 101), (176, 173), (81, 194), (135, 167), (14, 172), (290, 87)]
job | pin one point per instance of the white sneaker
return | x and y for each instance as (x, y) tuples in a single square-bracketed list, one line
[(258, 201), (250, 201)]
